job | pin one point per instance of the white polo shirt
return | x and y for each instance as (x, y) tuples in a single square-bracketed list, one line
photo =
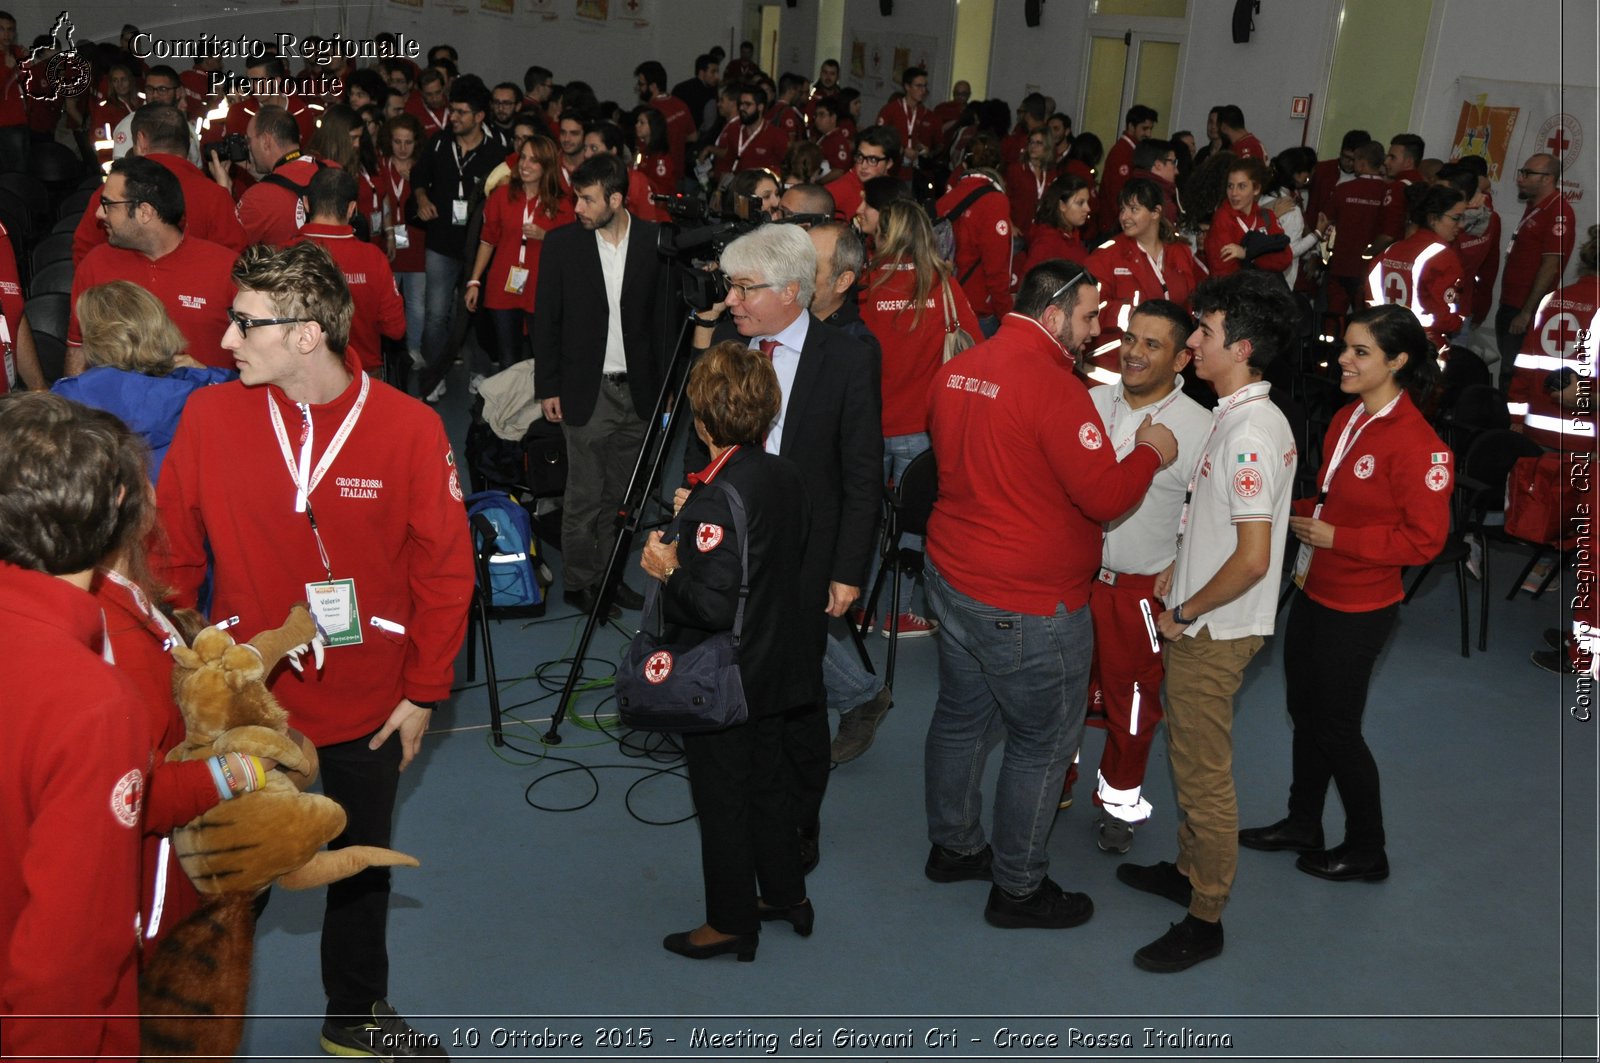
[(1144, 539), (1246, 473)]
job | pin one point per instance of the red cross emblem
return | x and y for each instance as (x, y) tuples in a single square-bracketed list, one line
[(1002, 227), (126, 797), (1365, 466), (707, 536), (1089, 436), (658, 666), (1247, 483), (1438, 478), (1559, 334), (1395, 289), (1558, 143)]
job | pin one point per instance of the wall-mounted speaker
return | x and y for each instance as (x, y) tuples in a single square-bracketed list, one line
[(885, 8), (793, 3), (1243, 25), (1031, 11)]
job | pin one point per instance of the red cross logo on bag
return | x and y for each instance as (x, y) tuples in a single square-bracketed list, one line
[(707, 537), (658, 667)]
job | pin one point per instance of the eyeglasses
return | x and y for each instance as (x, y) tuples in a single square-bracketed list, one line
[(744, 290), (1533, 173), (107, 204), (874, 159), (245, 324), (1457, 218)]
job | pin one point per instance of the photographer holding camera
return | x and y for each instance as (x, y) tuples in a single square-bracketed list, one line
[(270, 210)]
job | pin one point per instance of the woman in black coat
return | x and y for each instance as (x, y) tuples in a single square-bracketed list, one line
[(737, 775)]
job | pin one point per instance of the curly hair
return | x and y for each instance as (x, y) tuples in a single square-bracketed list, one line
[(735, 395)]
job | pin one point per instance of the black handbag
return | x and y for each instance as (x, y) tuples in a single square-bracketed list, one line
[(661, 687)]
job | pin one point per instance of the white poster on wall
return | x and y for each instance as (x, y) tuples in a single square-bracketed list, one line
[(1507, 121)]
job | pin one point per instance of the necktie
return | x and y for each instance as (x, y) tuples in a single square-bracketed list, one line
[(767, 347)]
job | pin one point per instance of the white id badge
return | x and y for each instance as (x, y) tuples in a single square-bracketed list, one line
[(334, 605), (458, 212), (516, 280), (375, 221), (402, 239), (1302, 564)]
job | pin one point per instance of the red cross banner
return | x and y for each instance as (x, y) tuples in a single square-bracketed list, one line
[(1507, 121)]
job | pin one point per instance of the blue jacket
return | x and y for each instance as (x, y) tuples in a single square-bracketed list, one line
[(149, 405)]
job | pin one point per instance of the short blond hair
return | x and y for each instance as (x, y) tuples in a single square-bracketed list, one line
[(301, 281), (125, 327)]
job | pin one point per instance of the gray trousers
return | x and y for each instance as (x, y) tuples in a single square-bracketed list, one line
[(600, 457)]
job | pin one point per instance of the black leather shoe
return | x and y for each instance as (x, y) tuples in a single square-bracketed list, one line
[(1341, 864), (1163, 879), (627, 597), (740, 945), (947, 865), (584, 599), (1048, 907), (800, 916), (810, 849), (1181, 947), (1284, 834)]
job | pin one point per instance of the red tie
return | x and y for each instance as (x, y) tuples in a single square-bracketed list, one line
[(767, 347)]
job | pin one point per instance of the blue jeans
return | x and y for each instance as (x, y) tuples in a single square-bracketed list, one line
[(1010, 676), (897, 454), (414, 292), (511, 345), (442, 275), (845, 680)]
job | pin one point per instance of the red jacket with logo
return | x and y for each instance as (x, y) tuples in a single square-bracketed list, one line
[(913, 349), (379, 310), (1026, 474), (1389, 504), (983, 244), (389, 510), (208, 211), (194, 282), (1228, 226)]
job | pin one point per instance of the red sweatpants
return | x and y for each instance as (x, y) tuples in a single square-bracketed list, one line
[(1124, 686)]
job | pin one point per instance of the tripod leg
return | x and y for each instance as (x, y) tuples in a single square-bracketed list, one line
[(492, 677)]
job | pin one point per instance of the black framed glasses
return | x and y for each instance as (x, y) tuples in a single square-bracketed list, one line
[(1532, 173), (871, 158), (107, 204), (245, 324)]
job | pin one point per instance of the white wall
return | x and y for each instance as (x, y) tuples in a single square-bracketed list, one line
[(498, 48), (1046, 58), (927, 26)]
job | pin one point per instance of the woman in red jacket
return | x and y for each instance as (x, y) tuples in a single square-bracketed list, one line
[(1383, 503), (1144, 261), (1423, 272), (1058, 231), (407, 243), (1243, 234), (903, 302), (661, 171), (1027, 179), (516, 218)]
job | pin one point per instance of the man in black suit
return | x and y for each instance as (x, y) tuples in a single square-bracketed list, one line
[(600, 335), (831, 427)]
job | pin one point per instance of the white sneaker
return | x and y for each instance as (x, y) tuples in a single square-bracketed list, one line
[(437, 393), (474, 382)]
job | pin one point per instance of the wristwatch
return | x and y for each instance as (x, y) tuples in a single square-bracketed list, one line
[(1178, 617), (429, 705)]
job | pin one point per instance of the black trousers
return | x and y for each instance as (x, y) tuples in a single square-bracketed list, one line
[(1328, 657), (807, 753), (747, 829), (355, 947)]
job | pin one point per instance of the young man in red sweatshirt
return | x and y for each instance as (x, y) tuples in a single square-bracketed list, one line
[(310, 481)]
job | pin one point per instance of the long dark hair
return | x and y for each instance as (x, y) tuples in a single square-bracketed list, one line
[(1396, 329)]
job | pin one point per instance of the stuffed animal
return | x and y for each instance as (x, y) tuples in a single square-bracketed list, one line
[(193, 990)]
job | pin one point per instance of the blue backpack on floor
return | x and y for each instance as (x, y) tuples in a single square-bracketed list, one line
[(507, 553)]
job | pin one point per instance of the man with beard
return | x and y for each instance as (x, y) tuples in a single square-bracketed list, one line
[(599, 350), (751, 142), (1025, 480), (1539, 252), (650, 81)]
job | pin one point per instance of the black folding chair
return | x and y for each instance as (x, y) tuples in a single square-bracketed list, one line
[(910, 503), (48, 313), (56, 277)]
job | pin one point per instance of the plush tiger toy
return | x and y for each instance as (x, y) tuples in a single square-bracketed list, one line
[(193, 991)]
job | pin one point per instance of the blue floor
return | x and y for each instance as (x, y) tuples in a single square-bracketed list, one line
[(525, 926)]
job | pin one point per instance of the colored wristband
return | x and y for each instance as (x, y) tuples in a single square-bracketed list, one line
[(217, 777)]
